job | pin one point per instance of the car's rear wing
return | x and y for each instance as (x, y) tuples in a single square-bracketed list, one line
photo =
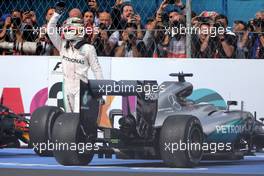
[(146, 92)]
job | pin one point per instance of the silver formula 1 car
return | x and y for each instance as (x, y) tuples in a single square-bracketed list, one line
[(164, 125)]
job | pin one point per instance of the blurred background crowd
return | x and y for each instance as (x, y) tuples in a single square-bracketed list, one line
[(120, 31)]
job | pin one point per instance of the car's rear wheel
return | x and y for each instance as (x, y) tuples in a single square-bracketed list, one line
[(40, 127), (181, 140), (69, 136)]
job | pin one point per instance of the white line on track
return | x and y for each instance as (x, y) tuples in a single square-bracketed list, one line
[(99, 167), (172, 169)]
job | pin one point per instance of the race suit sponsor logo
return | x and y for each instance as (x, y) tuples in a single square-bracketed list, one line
[(73, 60)]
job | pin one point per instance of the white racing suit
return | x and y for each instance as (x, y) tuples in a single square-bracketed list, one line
[(75, 64)]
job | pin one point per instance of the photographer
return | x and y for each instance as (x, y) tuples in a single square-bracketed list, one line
[(202, 43), (29, 24), (260, 15), (101, 40), (11, 33), (5, 33), (121, 12), (43, 37), (242, 33), (16, 26), (256, 36), (93, 7), (127, 16), (177, 3), (88, 19), (225, 41), (149, 38), (130, 46), (175, 44)]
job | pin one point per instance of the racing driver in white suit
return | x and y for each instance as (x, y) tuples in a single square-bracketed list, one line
[(77, 57)]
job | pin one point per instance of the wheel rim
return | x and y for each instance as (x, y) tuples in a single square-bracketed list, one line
[(195, 136)]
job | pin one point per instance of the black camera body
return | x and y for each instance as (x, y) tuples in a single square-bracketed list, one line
[(16, 21), (102, 26), (204, 20), (217, 25), (131, 35), (256, 23)]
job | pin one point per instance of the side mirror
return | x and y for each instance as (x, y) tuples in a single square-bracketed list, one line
[(231, 103)]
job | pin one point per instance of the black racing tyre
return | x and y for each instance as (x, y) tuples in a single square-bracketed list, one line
[(40, 128), (67, 132), (177, 132)]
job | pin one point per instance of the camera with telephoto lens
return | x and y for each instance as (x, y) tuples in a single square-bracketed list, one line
[(33, 48), (256, 23)]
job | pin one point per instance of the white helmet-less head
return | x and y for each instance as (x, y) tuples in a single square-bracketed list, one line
[(73, 29)]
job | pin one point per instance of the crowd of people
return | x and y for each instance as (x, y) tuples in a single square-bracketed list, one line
[(121, 33)]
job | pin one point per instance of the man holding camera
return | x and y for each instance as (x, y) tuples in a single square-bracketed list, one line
[(101, 39), (225, 41), (77, 56), (12, 31), (123, 13), (130, 46), (93, 7), (43, 36), (175, 44), (29, 24), (242, 33), (256, 36), (202, 43)]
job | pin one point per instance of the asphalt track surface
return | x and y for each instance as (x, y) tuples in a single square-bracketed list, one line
[(14, 162)]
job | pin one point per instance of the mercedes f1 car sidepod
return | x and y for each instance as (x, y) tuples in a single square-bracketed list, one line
[(165, 125)]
